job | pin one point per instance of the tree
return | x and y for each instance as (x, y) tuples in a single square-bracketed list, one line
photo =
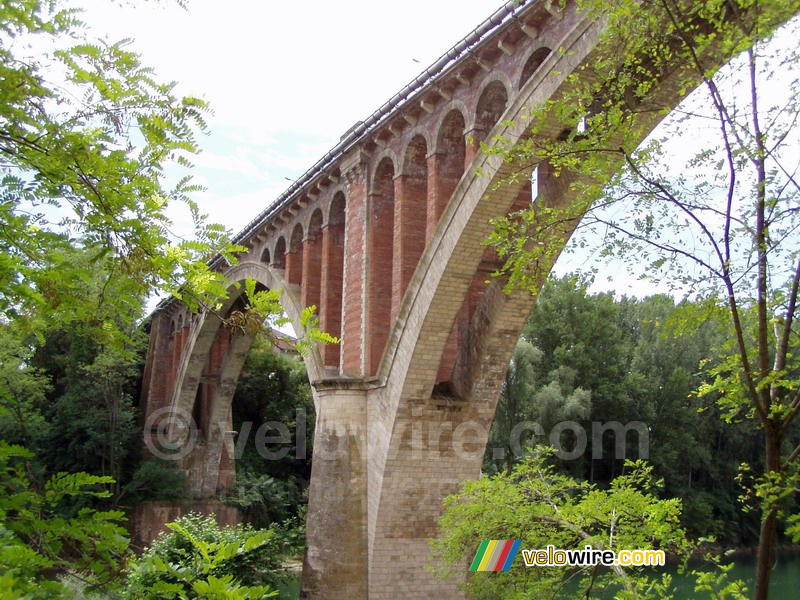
[(86, 138), (23, 392), (722, 225), (513, 408), (638, 361), (532, 402), (273, 400)]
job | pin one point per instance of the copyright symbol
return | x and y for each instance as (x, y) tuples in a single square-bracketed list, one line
[(172, 433)]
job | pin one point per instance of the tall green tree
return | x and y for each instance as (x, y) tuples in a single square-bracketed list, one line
[(723, 222), (531, 404)]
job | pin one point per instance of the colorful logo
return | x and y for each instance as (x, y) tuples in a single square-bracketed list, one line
[(495, 555)]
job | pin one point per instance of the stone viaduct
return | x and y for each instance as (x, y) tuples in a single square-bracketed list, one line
[(383, 235)]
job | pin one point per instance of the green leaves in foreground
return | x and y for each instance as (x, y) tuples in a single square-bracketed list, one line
[(263, 310), (540, 506), (201, 560), (90, 143), (44, 532)]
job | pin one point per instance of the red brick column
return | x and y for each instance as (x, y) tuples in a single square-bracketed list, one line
[(353, 313), (294, 266), (312, 272), (330, 313), (440, 188), (380, 275), (408, 235)]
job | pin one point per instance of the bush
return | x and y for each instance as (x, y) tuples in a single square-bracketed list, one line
[(156, 480), (200, 559)]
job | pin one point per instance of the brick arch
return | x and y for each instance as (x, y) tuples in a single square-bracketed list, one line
[(337, 207), (415, 155), (452, 106), (414, 136), (294, 256), (406, 379), (332, 277), (225, 351), (492, 103), (314, 227), (279, 253), (407, 375), (380, 253), (532, 63), (312, 262), (333, 192), (265, 256), (387, 155)]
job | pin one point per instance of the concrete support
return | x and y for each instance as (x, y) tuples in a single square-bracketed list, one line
[(336, 557), (437, 446)]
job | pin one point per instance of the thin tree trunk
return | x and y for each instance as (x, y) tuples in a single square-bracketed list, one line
[(766, 540)]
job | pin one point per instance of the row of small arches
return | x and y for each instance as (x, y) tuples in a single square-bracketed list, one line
[(395, 242)]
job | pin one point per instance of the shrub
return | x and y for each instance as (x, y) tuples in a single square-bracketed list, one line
[(198, 559)]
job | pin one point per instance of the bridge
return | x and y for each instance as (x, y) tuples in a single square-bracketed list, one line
[(383, 234)]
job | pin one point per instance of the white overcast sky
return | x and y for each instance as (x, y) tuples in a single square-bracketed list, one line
[(285, 79)]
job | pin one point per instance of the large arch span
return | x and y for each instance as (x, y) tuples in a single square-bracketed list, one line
[(384, 236)]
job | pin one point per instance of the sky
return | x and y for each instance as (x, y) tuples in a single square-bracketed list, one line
[(285, 80)]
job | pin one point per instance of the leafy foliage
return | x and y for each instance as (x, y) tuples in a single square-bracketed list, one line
[(86, 134), (536, 504), (23, 391), (201, 560), (42, 533), (272, 400), (637, 360), (155, 480)]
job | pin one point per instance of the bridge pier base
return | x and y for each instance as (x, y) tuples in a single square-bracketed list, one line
[(335, 564), (372, 509)]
